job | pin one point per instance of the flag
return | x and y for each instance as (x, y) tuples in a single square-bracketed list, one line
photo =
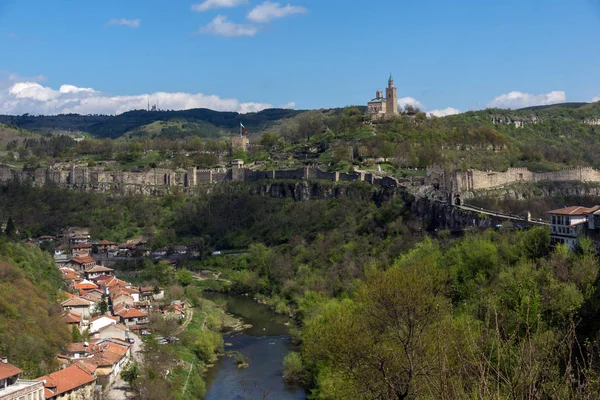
[(243, 129)]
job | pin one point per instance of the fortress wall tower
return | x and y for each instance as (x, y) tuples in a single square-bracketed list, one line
[(191, 177), (238, 172)]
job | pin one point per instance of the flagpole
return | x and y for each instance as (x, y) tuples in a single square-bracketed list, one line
[(241, 130)]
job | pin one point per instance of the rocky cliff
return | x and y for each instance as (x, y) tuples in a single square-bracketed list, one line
[(438, 216)]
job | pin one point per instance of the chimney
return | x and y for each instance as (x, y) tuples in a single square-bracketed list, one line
[(4, 360)]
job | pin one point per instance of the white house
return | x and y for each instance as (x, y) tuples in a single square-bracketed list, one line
[(569, 223), (101, 321)]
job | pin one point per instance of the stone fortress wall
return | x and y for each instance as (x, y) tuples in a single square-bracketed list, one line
[(96, 178), (477, 180), (454, 183), (461, 183)]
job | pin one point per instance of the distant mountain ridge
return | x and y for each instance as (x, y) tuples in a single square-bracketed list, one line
[(105, 126), (210, 123)]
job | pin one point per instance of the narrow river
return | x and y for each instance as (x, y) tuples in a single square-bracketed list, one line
[(263, 346)]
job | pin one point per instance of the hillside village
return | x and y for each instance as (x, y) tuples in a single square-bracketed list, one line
[(108, 317)]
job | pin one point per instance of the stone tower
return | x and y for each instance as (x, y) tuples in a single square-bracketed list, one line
[(391, 98)]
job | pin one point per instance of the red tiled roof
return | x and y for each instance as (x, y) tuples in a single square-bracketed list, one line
[(573, 210), (79, 347), (66, 379), (7, 370), (83, 260), (71, 318), (132, 313), (90, 368), (75, 301), (94, 292), (69, 276), (101, 278), (85, 285), (91, 298), (106, 243), (114, 282), (99, 268), (118, 326)]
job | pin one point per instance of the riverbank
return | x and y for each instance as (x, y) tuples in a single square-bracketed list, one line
[(200, 345), (263, 344)]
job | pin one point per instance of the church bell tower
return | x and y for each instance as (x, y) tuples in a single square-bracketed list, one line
[(391, 97)]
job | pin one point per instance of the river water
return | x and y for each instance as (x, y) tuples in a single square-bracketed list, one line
[(263, 346)]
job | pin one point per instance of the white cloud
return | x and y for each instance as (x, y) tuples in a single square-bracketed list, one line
[(22, 97), (132, 23), (74, 89), (595, 99), (268, 11), (519, 99), (32, 90), (444, 112), (210, 4), (220, 26), (406, 101)]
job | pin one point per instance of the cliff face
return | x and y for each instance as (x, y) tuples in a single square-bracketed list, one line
[(439, 216), (312, 190), (295, 190)]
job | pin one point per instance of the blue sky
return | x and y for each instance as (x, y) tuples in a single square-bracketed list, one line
[(245, 55)]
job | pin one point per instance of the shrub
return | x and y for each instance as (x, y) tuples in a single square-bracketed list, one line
[(208, 345), (293, 370)]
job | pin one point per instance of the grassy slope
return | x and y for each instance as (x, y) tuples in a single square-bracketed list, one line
[(9, 134)]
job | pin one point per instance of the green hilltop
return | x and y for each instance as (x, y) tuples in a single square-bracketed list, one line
[(543, 138)]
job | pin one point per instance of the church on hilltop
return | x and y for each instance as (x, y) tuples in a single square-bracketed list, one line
[(381, 107)]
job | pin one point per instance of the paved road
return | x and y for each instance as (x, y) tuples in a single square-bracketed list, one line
[(119, 388)]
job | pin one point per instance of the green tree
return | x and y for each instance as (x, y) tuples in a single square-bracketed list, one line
[(103, 305), (270, 140), (382, 346), (162, 272), (76, 334), (10, 229), (184, 277)]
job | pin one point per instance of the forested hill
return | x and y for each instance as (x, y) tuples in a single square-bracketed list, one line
[(104, 126), (32, 330), (576, 111)]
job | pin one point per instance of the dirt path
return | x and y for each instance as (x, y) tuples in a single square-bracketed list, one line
[(187, 379), (189, 314)]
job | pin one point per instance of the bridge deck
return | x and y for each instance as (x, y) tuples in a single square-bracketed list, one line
[(502, 215)]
